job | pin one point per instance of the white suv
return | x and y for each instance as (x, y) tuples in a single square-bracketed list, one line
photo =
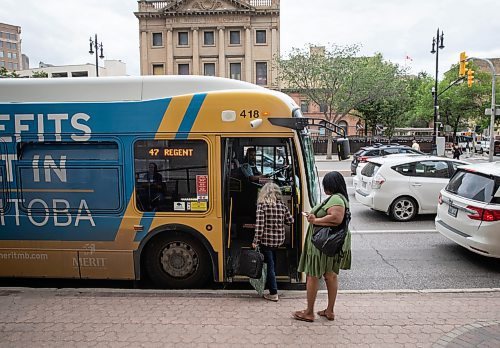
[(469, 209), (404, 186)]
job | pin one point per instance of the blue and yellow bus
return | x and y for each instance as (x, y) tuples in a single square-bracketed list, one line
[(133, 177)]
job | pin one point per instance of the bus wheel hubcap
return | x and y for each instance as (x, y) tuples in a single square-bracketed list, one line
[(179, 260)]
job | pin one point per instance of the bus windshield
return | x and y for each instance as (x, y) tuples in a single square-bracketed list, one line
[(310, 165)]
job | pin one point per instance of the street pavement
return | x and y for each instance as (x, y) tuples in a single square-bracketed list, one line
[(158, 318)]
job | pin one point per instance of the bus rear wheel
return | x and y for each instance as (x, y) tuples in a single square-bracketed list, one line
[(177, 261)]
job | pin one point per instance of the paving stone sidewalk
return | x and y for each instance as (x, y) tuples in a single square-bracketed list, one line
[(121, 318)]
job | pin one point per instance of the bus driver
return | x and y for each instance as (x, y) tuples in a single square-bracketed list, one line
[(249, 168)]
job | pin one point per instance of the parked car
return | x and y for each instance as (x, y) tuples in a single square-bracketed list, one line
[(404, 186), (365, 153), (482, 146), (469, 209)]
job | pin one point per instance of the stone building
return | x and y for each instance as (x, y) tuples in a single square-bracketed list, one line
[(228, 38), (10, 47), (237, 39)]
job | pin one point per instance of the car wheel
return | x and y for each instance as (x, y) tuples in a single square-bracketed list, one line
[(403, 209), (177, 260)]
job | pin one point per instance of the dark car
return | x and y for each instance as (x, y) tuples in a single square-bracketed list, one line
[(496, 148), (378, 150)]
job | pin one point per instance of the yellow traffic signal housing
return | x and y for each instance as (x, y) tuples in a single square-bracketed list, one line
[(463, 65), (470, 77)]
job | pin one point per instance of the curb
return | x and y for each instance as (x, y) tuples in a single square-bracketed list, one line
[(233, 293)]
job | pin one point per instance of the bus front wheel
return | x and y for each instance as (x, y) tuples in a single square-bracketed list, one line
[(177, 260)]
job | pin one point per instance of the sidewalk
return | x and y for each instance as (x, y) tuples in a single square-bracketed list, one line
[(119, 318)]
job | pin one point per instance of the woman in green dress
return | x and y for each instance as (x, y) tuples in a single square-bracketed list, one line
[(316, 264)]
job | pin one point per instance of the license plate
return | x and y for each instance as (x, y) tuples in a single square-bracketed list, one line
[(364, 184), (452, 211)]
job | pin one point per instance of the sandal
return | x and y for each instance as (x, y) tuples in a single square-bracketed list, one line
[(327, 316), (299, 315)]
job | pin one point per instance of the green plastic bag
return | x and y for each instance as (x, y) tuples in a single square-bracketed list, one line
[(260, 283)]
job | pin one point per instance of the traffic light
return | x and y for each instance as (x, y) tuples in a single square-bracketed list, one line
[(470, 77), (463, 65)]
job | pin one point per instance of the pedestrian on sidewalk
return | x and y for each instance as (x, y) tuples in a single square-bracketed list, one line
[(456, 151), (316, 264), (272, 215), (415, 145)]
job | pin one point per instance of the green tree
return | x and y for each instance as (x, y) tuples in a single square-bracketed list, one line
[(336, 79), (5, 73), (39, 74), (459, 105)]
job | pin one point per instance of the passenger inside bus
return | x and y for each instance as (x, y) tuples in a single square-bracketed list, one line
[(151, 193)]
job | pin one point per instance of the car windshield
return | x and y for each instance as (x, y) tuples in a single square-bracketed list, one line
[(475, 186)]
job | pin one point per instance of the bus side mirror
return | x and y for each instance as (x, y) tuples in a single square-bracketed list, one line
[(343, 148)]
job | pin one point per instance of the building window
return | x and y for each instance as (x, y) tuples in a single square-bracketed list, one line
[(1, 43), (183, 69), (344, 126), (158, 69), (1, 54), (183, 38), (15, 66), (61, 74), (323, 108), (209, 69), (2, 63), (234, 37), (208, 38), (175, 178), (260, 36), (304, 106), (14, 55), (80, 74), (9, 55), (235, 71), (157, 39), (261, 73), (9, 65)]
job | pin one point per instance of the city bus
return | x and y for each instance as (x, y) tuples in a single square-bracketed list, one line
[(140, 177)]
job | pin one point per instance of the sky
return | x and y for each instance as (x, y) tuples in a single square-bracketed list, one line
[(57, 32)]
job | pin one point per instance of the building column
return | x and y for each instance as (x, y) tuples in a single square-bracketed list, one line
[(144, 53), (196, 53), (248, 55), (170, 52), (274, 55), (222, 55)]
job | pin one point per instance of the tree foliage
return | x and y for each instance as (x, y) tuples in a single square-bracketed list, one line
[(39, 74), (5, 73)]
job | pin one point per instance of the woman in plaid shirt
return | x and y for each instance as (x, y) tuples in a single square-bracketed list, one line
[(272, 215)]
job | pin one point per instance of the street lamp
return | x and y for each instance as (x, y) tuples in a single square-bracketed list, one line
[(94, 44), (437, 44)]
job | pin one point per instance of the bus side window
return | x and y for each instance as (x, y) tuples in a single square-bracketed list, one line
[(171, 175)]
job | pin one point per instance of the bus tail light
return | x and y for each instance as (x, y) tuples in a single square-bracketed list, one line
[(483, 214)]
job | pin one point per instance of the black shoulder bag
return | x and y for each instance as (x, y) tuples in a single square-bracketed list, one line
[(330, 239)]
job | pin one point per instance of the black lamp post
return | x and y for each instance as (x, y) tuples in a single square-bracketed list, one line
[(437, 44), (94, 44)]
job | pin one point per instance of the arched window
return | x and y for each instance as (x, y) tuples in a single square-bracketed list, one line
[(360, 129), (343, 124)]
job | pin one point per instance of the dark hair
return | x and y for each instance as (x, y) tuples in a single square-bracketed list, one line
[(334, 182)]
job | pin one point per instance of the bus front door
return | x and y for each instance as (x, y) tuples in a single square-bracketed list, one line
[(276, 160)]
